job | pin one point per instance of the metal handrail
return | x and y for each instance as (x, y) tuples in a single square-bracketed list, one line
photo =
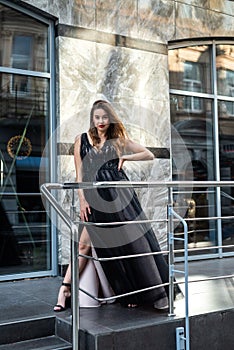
[(45, 190)]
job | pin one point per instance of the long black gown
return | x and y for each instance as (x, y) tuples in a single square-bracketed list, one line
[(119, 205)]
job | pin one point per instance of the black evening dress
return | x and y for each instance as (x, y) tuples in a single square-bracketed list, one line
[(117, 205)]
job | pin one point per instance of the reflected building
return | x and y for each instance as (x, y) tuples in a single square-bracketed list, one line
[(201, 83), (24, 123)]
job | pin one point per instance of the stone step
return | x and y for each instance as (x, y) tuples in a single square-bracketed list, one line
[(26, 329), (35, 333), (143, 329), (46, 343)]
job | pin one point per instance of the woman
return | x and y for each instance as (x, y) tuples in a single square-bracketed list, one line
[(99, 156)]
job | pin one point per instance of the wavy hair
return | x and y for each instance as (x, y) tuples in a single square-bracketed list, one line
[(116, 130)]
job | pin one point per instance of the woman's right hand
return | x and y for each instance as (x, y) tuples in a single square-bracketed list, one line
[(84, 209)]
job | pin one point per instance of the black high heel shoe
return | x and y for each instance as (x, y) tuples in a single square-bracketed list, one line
[(59, 307)]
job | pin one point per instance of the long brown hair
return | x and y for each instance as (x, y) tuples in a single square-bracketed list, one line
[(116, 131)]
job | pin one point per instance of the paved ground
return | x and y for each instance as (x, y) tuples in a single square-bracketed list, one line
[(35, 298)]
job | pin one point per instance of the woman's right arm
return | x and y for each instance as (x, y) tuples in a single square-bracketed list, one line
[(84, 206)]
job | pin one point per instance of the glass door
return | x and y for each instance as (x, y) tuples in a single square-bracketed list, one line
[(25, 80)]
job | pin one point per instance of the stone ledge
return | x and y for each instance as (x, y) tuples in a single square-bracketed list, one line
[(109, 39)]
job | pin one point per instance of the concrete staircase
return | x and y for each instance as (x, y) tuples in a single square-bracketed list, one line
[(35, 333)]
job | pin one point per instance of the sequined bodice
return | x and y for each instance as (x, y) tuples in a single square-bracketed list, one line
[(102, 164)]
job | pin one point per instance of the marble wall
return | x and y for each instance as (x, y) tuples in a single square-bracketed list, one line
[(154, 20), (118, 50), (136, 82)]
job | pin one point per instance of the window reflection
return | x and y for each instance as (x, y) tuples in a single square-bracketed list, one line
[(21, 59), (20, 93), (189, 69), (22, 46), (193, 115), (225, 70), (225, 86), (196, 131), (226, 154), (24, 123)]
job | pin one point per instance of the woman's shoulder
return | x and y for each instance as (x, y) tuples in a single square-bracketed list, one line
[(79, 142), (79, 137)]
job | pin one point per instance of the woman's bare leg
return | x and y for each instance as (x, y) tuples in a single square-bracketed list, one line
[(65, 289), (84, 248)]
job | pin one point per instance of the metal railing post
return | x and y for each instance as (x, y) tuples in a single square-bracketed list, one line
[(171, 251), (185, 273), (75, 278)]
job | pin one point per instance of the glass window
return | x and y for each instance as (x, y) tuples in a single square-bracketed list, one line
[(226, 154), (25, 231), (225, 70), (23, 41), (196, 134), (190, 69), (193, 116), (225, 87), (22, 59), (21, 52)]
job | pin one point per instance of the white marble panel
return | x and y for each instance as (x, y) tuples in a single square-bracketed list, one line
[(66, 173), (77, 86), (199, 3), (128, 73), (61, 9), (190, 22), (194, 21), (156, 20), (117, 16), (77, 62), (84, 13), (63, 244), (74, 117), (138, 82), (42, 4), (220, 24), (147, 121), (223, 6), (155, 204)]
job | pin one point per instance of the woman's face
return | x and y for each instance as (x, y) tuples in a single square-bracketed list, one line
[(101, 120)]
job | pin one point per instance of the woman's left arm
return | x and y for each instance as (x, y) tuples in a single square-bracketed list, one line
[(134, 152)]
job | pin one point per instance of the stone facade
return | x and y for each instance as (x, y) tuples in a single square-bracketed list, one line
[(118, 50)]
